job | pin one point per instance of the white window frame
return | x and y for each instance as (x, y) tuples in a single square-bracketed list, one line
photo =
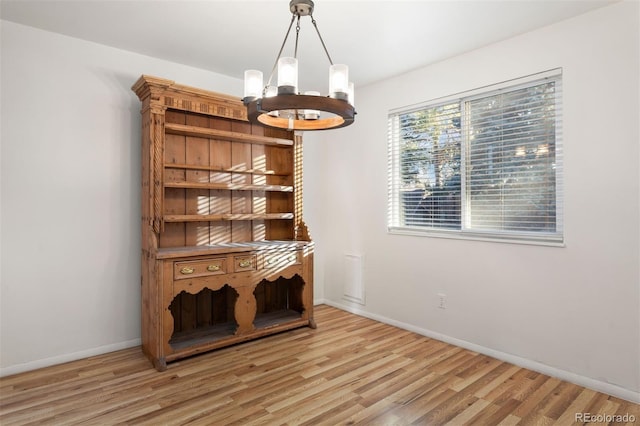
[(394, 205)]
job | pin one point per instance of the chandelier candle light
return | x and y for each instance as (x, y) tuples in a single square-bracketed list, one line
[(283, 106)]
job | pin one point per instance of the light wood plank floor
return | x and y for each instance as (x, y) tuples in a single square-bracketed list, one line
[(350, 370)]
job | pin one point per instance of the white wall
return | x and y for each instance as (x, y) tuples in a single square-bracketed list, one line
[(70, 175), (571, 311)]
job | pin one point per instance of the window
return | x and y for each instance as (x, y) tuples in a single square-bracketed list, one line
[(485, 164)]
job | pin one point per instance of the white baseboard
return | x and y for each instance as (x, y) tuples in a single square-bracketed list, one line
[(577, 379), (60, 359)]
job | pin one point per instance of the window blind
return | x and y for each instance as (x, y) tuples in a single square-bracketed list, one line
[(485, 164)]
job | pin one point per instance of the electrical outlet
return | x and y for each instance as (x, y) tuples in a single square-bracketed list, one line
[(442, 301)]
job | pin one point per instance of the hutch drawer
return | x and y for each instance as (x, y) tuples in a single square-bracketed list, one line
[(199, 268), (282, 259), (244, 263)]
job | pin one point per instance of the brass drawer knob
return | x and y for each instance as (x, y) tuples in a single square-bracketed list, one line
[(186, 270), (213, 268), (292, 258), (244, 263)]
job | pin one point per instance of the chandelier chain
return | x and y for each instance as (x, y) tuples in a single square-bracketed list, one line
[(295, 51)]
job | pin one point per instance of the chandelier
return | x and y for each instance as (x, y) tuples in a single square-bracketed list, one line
[(282, 106)]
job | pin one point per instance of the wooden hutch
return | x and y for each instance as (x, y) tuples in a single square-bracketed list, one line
[(226, 256)]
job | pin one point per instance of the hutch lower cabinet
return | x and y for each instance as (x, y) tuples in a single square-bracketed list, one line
[(226, 256)]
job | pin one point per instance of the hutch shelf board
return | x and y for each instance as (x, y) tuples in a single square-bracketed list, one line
[(226, 256)]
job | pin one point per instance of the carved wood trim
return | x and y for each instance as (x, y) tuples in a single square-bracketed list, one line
[(157, 120), (168, 94)]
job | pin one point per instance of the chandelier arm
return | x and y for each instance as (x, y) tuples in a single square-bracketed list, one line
[(313, 21), (275, 65)]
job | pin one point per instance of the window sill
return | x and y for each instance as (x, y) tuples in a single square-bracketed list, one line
[(478, 236)]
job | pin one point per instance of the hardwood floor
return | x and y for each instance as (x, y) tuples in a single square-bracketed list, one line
[(350, 370)]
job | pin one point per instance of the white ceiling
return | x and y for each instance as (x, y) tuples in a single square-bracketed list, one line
[(377, 39)]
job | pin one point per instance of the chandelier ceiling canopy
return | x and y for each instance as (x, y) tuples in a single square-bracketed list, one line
[(282, 105)]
